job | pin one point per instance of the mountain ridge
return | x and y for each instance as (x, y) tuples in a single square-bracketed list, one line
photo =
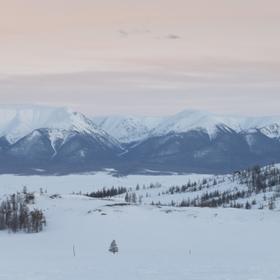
[(62, 140), (188, 120)]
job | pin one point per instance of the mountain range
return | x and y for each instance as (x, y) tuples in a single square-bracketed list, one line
[(51, 140)]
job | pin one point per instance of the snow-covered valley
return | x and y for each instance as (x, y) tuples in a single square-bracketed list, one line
[(139, 140), (155, 242)]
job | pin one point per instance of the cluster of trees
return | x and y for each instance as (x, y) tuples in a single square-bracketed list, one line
[(192, 186), (189, 187), (215, 199), (107, 192), (257, 180), (225, 199), (131, 197), (15, 214)]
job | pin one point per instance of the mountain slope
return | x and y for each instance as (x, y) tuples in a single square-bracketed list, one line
[(127, 129), (210, 123), (18, 121), (136, 129), (61, 140), (67, 152), (196, 120), (52, 139)]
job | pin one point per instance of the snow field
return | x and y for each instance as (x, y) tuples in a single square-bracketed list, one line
[(154, 243)]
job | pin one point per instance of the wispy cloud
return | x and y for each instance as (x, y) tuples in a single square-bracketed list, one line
[(133, 31), (222, 89), (173, 36), (123, 33)]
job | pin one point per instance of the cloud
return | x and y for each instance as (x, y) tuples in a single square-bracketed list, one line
[(123, 33), (153, 91), (134, 31), (173, 36)]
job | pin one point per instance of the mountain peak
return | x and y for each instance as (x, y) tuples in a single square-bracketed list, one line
[(16, 121), (128, 129)]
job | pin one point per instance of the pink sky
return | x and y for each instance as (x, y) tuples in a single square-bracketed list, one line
[(148, 57)]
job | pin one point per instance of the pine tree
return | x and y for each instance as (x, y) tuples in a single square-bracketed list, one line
[(248, 205), (134, 198), (114, 247), (127, 197)]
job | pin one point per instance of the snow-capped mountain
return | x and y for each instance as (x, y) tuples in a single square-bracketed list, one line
[(39, 137), (196, 141), (196, 120), (18, 121), (211, 123), (127, 129), (60, 139)]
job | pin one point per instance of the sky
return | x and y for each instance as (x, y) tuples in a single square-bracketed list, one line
[(148, 57)]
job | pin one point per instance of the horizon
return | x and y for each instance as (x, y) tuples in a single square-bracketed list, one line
[(186, 110)]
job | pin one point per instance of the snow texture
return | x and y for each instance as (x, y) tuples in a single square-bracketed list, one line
[(154, 243)]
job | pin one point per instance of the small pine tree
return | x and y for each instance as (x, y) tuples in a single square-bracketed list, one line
[(127, 197), (134, 198), (24, 190), (271, 204), (248, 205), (114, 247)]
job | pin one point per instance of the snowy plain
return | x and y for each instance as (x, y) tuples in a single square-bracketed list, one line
[(87, 182), (154, 242)]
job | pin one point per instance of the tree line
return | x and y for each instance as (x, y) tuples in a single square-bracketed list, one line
[(107, 192)]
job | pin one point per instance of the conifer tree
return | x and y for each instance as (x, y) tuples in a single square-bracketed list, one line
[(114, 247)]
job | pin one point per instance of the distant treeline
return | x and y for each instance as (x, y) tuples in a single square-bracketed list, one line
[(107, 192)]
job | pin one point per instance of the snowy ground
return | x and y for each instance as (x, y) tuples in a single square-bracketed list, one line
[(87, 183), (154, 243)]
